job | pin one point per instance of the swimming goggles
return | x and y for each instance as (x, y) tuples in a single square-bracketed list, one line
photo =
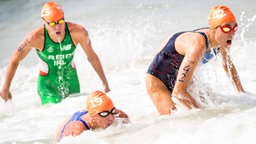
[(227, 29), (53, 23), (106, 113)]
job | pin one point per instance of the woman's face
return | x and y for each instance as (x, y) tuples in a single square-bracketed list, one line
[(224, 34), (57, 30), (106, 121)]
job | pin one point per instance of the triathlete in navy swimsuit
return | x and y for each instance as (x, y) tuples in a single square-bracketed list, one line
[(166, 63), (170, 72)]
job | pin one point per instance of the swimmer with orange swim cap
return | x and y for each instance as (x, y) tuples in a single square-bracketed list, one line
[(171, 70), (100, 112), (55, 44)]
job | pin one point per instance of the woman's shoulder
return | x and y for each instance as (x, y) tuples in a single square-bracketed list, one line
[(191, 37), (74, 27)]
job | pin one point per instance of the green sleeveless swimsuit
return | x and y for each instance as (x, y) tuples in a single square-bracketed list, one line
[(58, 76)]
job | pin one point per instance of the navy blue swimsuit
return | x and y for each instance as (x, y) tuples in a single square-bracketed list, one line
[(166, 64), (76, 117)]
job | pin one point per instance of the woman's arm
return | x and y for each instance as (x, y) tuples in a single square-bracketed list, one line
[(121, 114), (230, 69)]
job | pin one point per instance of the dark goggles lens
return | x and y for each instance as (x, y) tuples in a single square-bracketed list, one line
[(106, 113)]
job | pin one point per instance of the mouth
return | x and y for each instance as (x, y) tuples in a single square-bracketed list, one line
[(58, 33), (107, 125), (229, 42)]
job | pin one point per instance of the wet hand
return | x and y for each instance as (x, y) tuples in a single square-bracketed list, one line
[(6, 95), (106, 88), (189, 102), (122, 115)]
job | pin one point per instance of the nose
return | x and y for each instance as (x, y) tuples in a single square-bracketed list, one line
[(111, 117), (232, 33), (57, 26)]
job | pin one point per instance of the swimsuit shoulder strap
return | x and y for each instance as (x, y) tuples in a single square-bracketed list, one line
[(206, 39), (81, 120), (76, 117), (201, 28), (205, 36)]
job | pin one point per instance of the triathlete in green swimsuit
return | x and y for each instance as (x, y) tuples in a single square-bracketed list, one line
[(55, 43)]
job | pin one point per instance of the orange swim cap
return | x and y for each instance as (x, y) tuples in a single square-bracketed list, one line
[(97, 102), (52, 11), (219, 15)]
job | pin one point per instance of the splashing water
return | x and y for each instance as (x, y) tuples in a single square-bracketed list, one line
[(126, 35)]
